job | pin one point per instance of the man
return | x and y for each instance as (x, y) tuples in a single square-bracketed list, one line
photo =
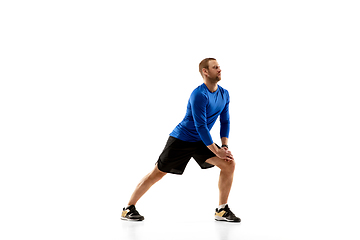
[(191, 138)]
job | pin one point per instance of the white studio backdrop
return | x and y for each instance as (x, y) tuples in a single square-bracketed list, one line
[(90, 91)]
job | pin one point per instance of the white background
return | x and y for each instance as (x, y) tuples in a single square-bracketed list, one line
[(90, 91)]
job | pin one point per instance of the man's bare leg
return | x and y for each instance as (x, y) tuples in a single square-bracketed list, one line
[(226, 177), (145, 184), (223, 213)]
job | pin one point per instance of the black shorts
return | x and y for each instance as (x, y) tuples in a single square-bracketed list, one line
[(177, 154)]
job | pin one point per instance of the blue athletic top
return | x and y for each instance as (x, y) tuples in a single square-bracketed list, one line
[(203, 109)]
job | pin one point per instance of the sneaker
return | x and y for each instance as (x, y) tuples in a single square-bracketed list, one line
[(225, 214), (131, 214)]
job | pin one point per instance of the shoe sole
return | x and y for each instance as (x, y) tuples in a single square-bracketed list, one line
[(133, 220), (222, 219)]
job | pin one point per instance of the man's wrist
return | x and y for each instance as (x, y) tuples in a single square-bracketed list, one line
[(224, 145)]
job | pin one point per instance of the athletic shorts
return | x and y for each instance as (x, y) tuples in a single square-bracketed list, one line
[(177, 154)]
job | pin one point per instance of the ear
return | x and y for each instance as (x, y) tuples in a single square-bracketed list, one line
[(205, 72)]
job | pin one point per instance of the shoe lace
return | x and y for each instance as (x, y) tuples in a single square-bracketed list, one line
[(230, 213), (134, 211)]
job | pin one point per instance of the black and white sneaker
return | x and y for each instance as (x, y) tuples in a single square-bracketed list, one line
[(225, 214), (131, 214)]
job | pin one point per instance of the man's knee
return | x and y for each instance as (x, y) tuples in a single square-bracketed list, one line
[(229, 166), (160, 175), (157, 174)]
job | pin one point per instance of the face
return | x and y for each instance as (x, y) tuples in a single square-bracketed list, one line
[(214, 72)]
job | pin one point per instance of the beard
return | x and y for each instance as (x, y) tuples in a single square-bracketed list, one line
[(215, 79)]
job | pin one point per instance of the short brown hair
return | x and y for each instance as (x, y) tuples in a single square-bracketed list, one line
[(205, 64)]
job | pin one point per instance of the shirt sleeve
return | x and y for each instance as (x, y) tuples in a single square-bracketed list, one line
[(198, 103), (225, 120)]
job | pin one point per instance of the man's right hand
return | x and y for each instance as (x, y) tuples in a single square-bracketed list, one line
[(222, 153), (225, 154)]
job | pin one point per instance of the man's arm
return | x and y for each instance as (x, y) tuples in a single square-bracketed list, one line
[(198, 103), (224, 141), (225, 129), (225, 123)]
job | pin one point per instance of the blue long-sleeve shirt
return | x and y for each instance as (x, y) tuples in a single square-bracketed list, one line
[(203, 108)]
